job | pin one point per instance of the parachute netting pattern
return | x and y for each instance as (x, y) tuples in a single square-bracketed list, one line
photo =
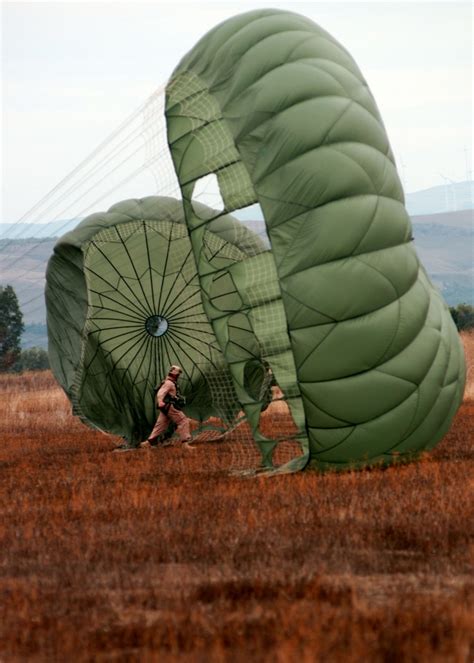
[(255, 309), (133, 162)]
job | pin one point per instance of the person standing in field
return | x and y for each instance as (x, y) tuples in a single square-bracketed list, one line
[(170, 402)]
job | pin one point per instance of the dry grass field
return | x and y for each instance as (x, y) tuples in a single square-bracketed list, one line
[(162, 556)]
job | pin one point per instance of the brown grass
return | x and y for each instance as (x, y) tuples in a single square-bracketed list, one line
[(161, 556)]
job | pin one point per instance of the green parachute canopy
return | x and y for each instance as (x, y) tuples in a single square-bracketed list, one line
[(333, 308), (360, 342), (124, 303)]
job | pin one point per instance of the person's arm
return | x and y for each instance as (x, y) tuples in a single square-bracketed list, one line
[(163, 391)]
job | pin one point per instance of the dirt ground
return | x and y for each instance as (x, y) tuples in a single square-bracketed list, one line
[(163, 556)]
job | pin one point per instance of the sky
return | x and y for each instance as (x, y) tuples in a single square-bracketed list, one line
[(73, 71)]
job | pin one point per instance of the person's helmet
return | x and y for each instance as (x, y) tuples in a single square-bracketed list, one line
[(175, 370)]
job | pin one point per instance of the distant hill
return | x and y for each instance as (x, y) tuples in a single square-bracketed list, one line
[(23, 265), (444, 243), (448, 197), (447, 252), (35, 335), (36, 230), (459, 219)]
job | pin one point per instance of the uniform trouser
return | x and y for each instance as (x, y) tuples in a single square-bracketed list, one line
[(163, 421)]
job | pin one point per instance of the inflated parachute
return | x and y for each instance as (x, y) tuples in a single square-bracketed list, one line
[(124, 303), (359, 341)]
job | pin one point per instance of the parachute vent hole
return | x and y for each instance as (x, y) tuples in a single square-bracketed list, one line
[(156, 325)]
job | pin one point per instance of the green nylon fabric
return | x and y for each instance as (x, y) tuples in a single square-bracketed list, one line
[(105, 280), (365, 349)]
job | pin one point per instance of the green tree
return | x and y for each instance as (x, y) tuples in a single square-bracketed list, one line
[(11, 328), (463, 316)]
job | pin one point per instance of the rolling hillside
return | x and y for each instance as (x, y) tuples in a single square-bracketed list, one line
[(444, 242)]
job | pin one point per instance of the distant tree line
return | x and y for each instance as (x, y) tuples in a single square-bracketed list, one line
[(32, 359), (463, 316)]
